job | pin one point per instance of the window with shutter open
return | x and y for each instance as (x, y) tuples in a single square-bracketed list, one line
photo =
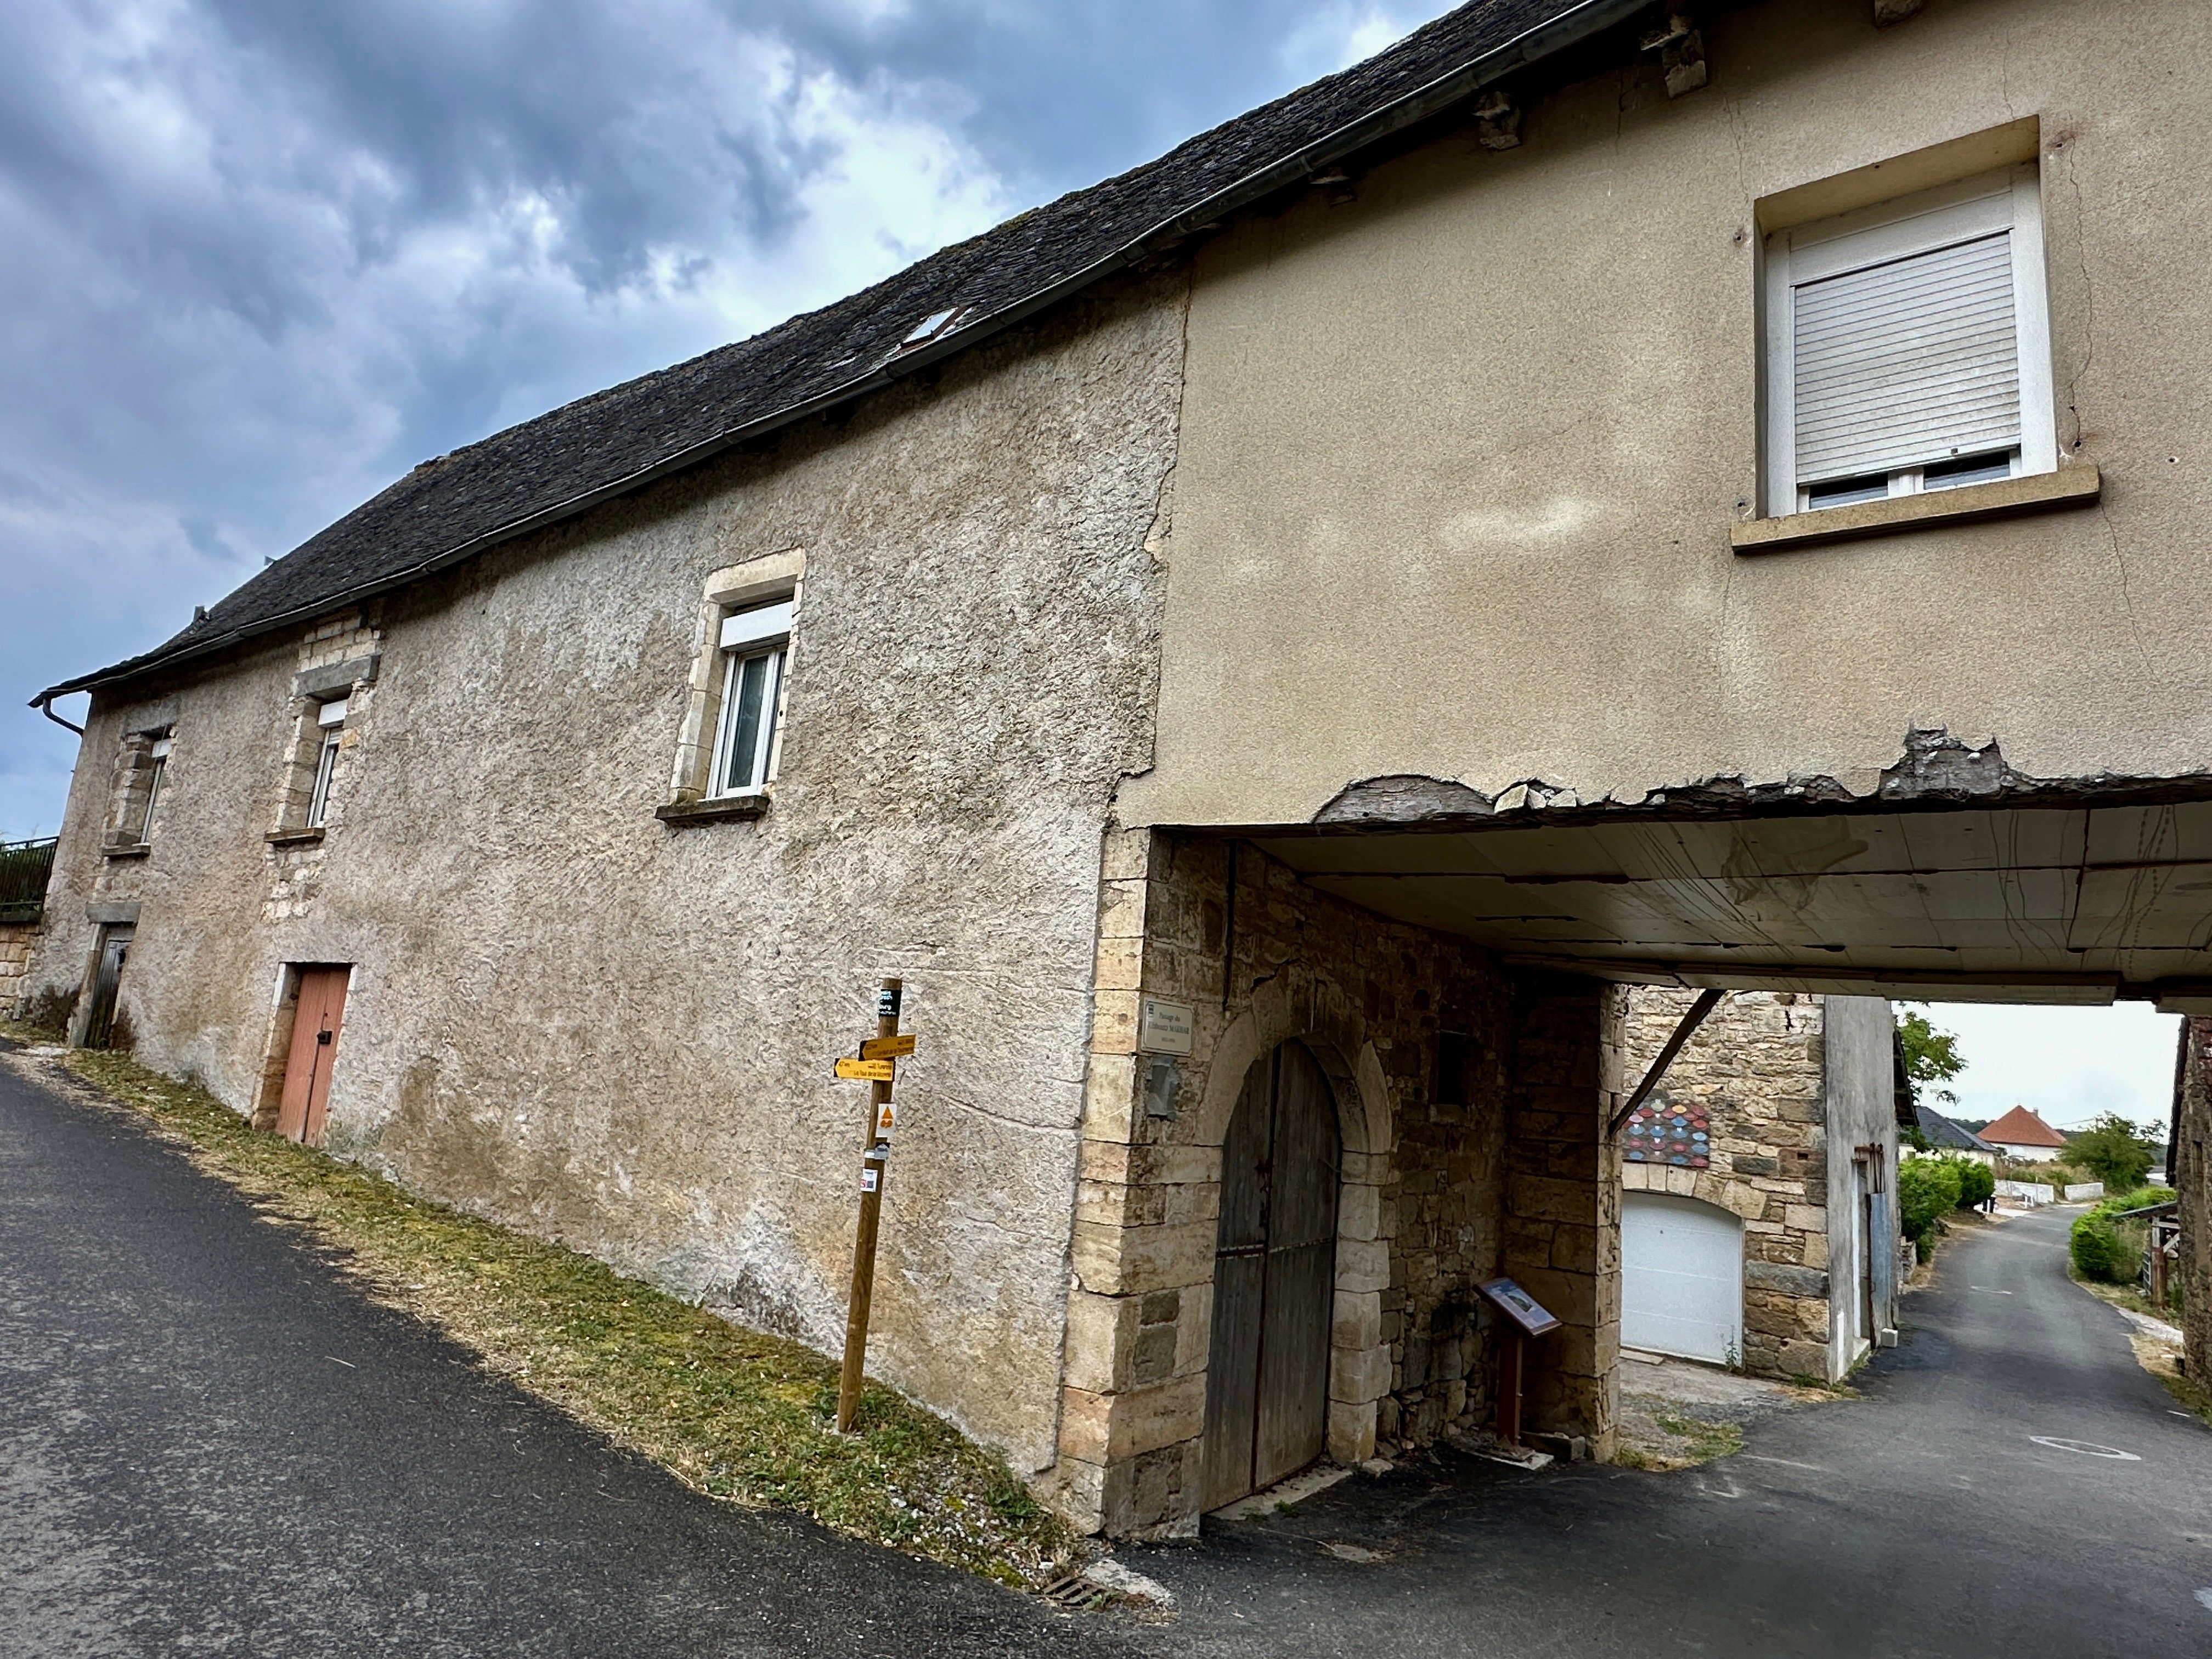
[(1908, 347)]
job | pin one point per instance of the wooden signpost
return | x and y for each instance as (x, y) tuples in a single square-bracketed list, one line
[(1523, 1318), (876, 1065)]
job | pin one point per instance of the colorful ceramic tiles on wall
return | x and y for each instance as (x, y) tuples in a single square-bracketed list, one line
[(1659, 1133)]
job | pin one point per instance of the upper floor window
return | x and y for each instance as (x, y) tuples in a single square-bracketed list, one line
[(754, 643), (153, 777), (1908, 346), (330, 725), (142, 764)]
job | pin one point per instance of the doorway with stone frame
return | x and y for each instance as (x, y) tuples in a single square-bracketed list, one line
[(1507, 1170)]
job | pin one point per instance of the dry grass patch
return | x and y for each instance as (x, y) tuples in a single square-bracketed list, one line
[(732, 1412)]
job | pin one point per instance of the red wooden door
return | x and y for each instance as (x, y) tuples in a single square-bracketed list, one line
[(314, 1047)]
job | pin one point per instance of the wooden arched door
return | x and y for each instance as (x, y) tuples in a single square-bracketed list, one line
[(1275, 1273)]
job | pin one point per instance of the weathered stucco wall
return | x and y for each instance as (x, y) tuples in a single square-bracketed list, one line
[(1461, 457), (574, 1017)]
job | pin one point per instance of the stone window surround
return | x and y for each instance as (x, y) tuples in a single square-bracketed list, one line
[(763, 579), (130, 831), (312, 689)]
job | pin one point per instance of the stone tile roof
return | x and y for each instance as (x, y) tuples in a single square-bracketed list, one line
[(1946, 1136), (564, 462), (2022, 1128)]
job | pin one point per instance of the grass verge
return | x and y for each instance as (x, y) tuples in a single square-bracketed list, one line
[(732, 1412), (1654, 1439)]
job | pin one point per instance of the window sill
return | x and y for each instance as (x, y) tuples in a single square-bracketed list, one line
[(2071, 486), (682, 814), (294, 837), (128, 849)]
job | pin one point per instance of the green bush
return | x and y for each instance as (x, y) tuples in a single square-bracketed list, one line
[(2102, 1249), (1927, 1191), (1976, 1182), (2113, 1152), (2142, 1197)]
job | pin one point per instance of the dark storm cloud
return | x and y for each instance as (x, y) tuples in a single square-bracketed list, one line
[(257, 256)]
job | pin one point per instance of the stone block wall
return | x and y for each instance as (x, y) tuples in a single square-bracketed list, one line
[(1424, 1213), (1756, 1067), (2191, 1172), (1562, 1199), (18, 942)]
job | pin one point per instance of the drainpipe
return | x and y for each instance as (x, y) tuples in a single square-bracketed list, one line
[(45, 706)]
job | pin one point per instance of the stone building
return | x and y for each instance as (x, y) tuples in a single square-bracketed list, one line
[(1266, 648), (2191, 1172), (1759, 1219)]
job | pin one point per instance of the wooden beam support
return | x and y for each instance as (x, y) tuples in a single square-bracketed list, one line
[(1707, 1001)]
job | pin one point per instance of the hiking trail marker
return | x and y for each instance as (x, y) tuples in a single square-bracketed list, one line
[(876, 1067)]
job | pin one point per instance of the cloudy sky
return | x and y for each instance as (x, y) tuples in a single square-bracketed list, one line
[(2067, 1064), (257, 258)]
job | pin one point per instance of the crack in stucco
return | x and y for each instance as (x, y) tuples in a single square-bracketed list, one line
[(1933, 767)]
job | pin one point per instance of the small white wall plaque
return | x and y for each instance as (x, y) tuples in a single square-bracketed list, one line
[(1164, 1028)]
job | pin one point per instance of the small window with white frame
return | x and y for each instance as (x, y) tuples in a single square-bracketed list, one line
[(755, 642), (1908, 347), (330, 724)]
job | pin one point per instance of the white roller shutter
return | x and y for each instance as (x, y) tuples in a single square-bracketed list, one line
[(1681, 1277), (1911, 360)]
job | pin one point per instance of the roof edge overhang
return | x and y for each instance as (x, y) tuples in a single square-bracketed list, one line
[(1579, 23)]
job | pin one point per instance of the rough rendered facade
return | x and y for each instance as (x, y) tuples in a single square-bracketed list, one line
[(569, 1015)]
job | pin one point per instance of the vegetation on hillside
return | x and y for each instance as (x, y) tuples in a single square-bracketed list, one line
[(2113, 1150)]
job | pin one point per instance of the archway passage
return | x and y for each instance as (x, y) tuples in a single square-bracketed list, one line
[(1266, 1396)]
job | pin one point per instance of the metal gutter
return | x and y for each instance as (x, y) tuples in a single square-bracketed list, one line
[(1577, 23)]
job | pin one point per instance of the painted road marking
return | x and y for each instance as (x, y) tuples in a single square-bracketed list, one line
[(1755, 1458), (2204, 1600), (1986, 1291), (2086, 1448)]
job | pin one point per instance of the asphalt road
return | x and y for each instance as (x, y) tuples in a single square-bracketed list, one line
[(1924, 1518), (210, 1442)]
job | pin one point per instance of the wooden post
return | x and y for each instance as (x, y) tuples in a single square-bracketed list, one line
[(875, 1170), (1510, 1354)]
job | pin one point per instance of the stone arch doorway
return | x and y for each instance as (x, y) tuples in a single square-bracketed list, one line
[(1274, 1272)]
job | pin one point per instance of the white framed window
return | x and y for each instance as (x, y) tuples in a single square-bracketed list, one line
[(330, 722), (1908, 346), (754, 643)]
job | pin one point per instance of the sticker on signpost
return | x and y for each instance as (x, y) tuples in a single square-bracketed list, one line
[(868, 1180)]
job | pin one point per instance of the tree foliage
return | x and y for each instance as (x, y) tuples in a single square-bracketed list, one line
[(1927, 1191), (2113, 1152), (1931, 1054), (1976, 1182)]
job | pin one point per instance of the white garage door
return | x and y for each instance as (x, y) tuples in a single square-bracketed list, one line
[(1681, 1288)]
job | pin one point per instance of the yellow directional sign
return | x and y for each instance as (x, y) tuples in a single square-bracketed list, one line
[(867, 1071), (889, 1048)]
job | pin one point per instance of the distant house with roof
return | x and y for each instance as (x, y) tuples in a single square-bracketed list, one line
[(1943, 1135), (2020, 1133)]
